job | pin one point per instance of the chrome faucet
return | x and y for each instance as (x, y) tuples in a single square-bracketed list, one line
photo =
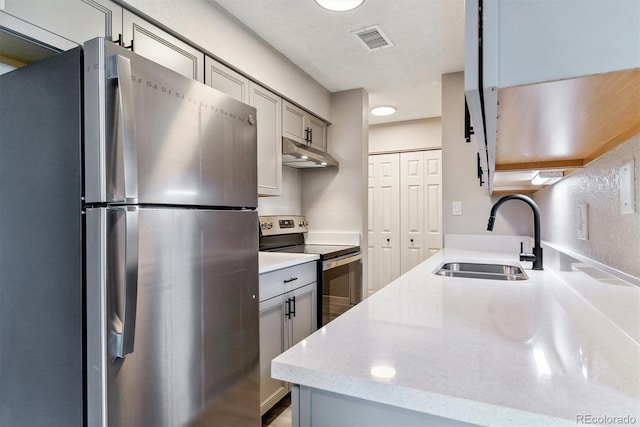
[(536, 256)]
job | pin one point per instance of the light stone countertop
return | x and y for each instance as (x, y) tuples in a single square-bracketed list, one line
[(271, 261), (489, 352)]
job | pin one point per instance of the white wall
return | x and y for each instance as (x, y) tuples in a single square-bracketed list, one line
[(459, 182), (335, 200), (614, 239), (290, 201), (213, 30), (411, 135)]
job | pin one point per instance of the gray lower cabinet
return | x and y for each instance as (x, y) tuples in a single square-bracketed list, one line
[(159, 46), (285, 320), (62, 24), (314, 407)]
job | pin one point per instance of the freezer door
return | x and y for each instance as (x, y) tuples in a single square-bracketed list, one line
[(190, 279), (154, 136)]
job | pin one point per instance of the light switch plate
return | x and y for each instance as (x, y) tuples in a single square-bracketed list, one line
[(627, 188), (457, 208), (583, 222)]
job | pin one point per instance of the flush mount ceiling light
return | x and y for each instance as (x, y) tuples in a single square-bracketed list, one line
[(383, 110), (339, 5), (547, 177)]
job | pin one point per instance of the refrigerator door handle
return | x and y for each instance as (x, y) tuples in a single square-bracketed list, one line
[(124, 328), (120, 69)]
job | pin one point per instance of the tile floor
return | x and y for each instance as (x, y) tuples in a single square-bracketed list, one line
[(279, 415)]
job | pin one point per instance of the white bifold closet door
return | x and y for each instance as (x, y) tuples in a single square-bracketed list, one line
[(405, 213)]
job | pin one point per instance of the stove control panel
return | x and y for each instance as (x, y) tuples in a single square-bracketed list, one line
[(283, 224)]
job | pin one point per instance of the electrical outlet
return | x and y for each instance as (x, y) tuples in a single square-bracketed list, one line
[(583, 222), (627, 190), (457, 208)]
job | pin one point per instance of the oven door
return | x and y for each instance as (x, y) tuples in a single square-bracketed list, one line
[(341, 285)]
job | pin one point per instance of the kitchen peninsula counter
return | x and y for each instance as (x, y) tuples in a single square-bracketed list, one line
[(457, 351)]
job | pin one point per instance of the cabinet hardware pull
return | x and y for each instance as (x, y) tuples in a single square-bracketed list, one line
[(120, 42), (287, 311), (293, 311), (290, 280)]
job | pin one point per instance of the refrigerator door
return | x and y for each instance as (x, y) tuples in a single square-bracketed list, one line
[(194, 355), (153, 136)]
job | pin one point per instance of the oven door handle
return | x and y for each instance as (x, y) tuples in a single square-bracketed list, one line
[(339, 262)]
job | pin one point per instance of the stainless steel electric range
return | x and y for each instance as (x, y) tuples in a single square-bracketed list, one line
[(339, 266)]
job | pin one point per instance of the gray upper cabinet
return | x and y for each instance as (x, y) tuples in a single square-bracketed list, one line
[(317, 133), (268, 110), (303, 127), (161, 47), (226, 80), (268, 107), (294, 125), (62, 24)]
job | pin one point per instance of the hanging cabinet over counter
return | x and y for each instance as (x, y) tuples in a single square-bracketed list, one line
[(550, 85)]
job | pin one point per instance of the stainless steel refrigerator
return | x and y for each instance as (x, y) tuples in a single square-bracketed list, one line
[(128, 246)]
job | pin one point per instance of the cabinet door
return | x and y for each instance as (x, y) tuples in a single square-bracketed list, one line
[(303, 321), (412, 210), (62, 24), (294, 123), (226, 80), (317, 133), (269, 108), (273, 341), (161, 47)]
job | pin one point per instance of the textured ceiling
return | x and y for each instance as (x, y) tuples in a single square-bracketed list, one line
[(428, 38)]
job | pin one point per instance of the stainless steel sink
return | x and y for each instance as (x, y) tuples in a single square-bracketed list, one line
[(481, 271)]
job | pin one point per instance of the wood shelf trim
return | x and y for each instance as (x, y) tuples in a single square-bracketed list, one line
[(552, 164)]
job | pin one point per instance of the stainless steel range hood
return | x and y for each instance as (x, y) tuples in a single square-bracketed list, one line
[(301, 156)]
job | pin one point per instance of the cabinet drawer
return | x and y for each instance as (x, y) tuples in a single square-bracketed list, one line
[(278, 282)]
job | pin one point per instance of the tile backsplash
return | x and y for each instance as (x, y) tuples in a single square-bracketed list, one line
[(613, 238)]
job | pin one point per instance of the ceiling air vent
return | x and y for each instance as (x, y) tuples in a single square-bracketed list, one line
[(373, 37)]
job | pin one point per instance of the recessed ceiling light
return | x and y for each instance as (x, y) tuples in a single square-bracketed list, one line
[(383, 110), (339, 5)]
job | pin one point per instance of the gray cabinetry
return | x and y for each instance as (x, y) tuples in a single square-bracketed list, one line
[(317, 133), (161, 47), (268, 110), (268, 107), (288, 301), (62, 24), (303, 127), (226, 80)]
